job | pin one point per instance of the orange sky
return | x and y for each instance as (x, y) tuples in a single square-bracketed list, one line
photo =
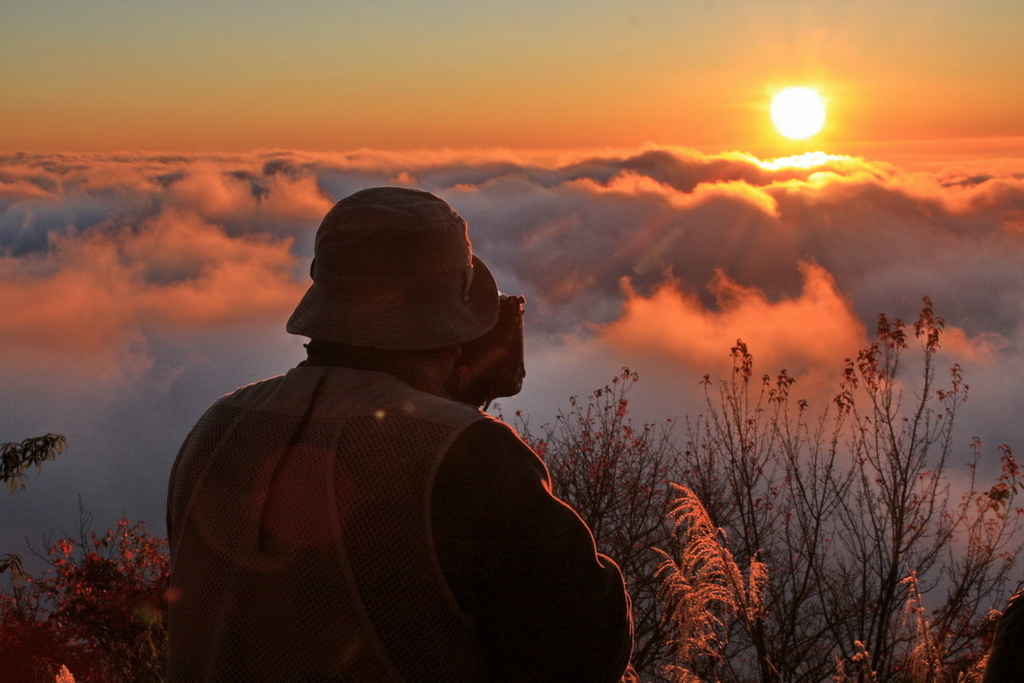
[(400, 74)]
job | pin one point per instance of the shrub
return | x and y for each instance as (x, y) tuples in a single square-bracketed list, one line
[(99, 611)]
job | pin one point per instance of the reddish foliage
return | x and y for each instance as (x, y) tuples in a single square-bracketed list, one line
[(99, 610)]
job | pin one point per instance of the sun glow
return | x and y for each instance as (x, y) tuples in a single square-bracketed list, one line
[(806, 160), (798, 113)]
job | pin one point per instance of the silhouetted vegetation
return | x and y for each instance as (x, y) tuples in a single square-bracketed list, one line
[(15, 460), (99, 611)]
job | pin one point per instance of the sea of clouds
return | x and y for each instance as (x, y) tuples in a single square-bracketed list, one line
[(137, 288)]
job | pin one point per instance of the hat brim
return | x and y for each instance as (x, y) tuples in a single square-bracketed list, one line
[(400, 314)]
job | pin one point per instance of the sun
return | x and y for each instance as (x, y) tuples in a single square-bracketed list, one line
[(798, 113)]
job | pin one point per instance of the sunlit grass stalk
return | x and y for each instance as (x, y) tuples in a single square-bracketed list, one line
[(861, 660), (703, 588), (925, 659)]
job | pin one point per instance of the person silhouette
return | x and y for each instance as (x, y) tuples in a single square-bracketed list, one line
[(350, 521)]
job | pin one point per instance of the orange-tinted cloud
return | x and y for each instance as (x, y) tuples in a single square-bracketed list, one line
[(85, 305), (809, 335), (74, 313), (567, 228), (239, 192)]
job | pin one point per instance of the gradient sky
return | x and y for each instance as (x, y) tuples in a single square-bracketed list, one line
[(238, 75)]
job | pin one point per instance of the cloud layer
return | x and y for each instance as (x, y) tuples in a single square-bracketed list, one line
[(136, 288)]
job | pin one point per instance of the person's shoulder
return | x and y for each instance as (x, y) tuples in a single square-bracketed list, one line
[(492, 444), (252, 391), (493, 429)]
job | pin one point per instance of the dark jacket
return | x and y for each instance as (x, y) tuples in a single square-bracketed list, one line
[(337, 525)]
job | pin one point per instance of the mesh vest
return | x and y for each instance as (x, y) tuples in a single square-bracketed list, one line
[(301, 537)]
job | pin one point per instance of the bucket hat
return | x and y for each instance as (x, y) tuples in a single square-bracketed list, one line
[(393, 268)]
